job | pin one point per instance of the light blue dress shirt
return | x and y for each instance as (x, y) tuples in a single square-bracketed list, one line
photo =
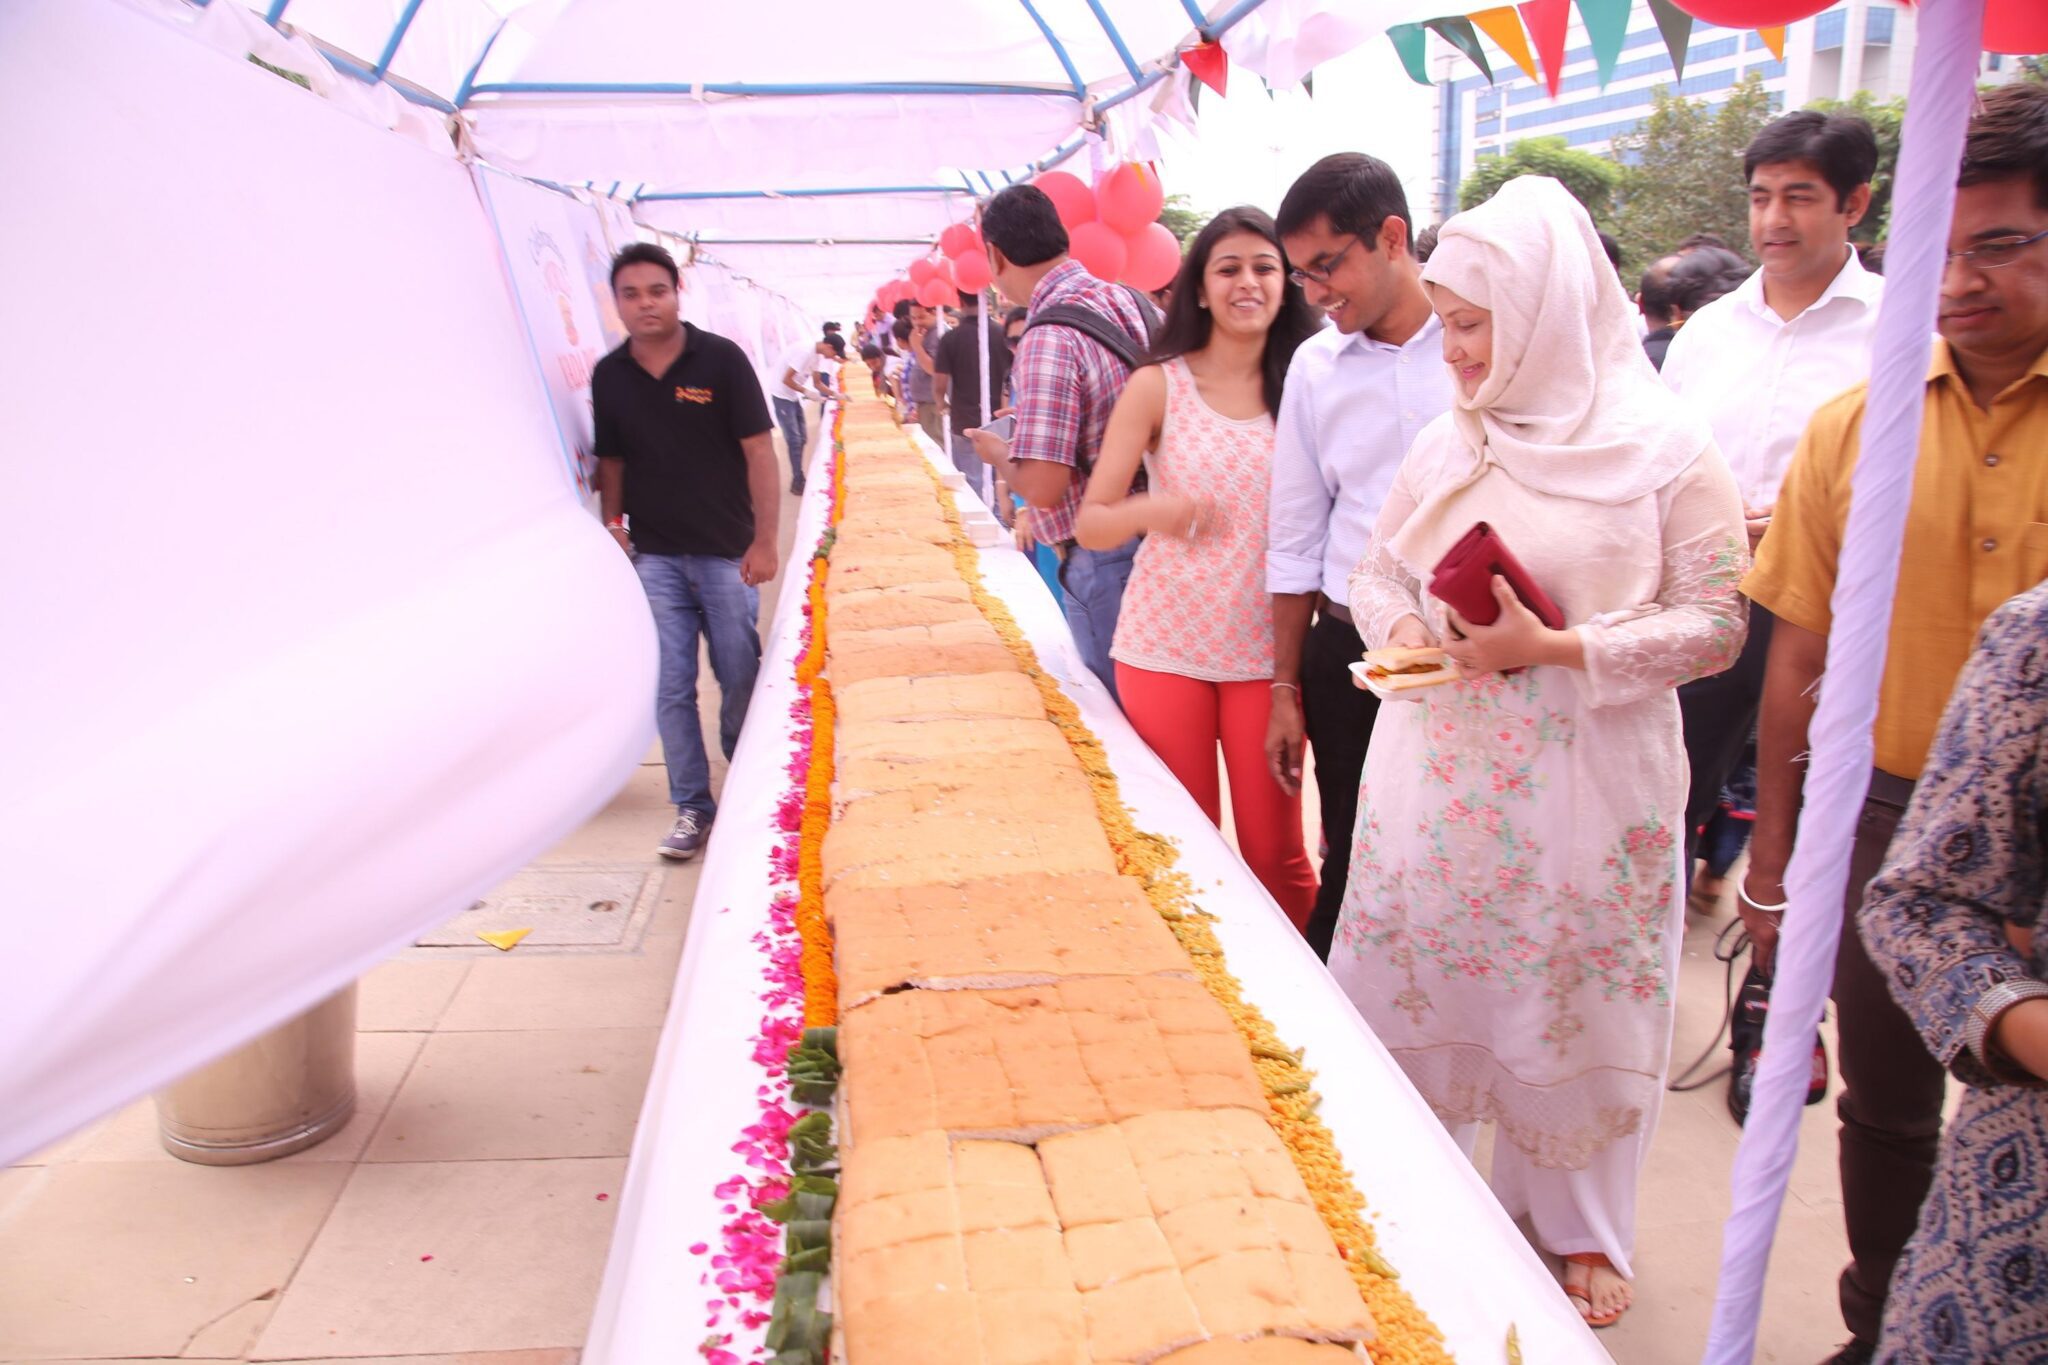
[(1351, 409)]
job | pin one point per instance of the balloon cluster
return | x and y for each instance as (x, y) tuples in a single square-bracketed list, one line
[(1113, 230)]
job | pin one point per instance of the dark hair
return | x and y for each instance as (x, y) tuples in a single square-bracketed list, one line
[(901, 311), (836, 342), (1654, 292), (1188, 324), (645, 253), (1425, 242), (2009, 138), (1699, 277), (1021, 223), (1356, 192), (831, 329), (870, 351), (1841, 145), (1613, 250), (902, 327), (1015, 315), (1698, 240)]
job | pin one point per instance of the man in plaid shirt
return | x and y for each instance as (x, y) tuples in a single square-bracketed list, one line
[(1066, 383)]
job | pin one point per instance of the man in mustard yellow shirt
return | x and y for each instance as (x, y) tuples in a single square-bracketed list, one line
[(1976, 534)]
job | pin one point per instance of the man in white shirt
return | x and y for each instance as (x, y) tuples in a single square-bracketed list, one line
[(1757, 362), (796, 377), (1356, 397)]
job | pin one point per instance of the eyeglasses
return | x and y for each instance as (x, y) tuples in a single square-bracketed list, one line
[(1320, 274), (1991, 255)]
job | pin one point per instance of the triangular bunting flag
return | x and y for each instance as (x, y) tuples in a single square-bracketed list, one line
[(1676, 26), (1504, 26), (1606, 27), (1546, 21), (1210, 65), (1774, 39), (1411, 41), (1460, 34)]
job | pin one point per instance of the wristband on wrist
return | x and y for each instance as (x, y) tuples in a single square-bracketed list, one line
[(615, 524), (1754, 904), (1984, 1015)]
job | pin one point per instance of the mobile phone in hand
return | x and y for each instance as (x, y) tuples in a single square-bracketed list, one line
[(1004, 428)]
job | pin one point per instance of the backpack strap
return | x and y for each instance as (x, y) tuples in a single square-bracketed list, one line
[(1105, 331)]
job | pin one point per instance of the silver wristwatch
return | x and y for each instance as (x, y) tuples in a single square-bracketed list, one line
[(1983, 1014)]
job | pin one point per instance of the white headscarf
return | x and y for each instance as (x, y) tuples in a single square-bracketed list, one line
[(1571, 405)]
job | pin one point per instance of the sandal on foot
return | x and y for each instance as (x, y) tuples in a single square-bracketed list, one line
[(1583, 1298)]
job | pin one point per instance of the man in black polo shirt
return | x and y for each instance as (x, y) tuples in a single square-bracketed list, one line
[(687, 473)]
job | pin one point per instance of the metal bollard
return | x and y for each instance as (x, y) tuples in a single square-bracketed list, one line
[(284, 1092)]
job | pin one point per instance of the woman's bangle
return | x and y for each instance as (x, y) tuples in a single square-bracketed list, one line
[(1754, 904), (1983, 1017), (1292, 687)]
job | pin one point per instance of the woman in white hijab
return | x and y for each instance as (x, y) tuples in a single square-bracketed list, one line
[(1514, 912)]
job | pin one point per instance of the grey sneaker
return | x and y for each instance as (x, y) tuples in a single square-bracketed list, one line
[(686, 840)]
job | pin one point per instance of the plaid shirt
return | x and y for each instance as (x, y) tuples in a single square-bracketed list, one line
[(1066, 385)]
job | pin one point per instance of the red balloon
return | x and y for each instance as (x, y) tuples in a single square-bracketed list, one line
[(959, 239), (1074, 201), (1098, 248), (1128, 198), (936, 293), (971, 272), (922, 270), (1752, 13), (2019, 27), (1154, 257)]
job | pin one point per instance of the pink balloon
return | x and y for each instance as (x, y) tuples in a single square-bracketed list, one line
[(1129, 197), (1099, 249), (1154, 257), (936, 293), (1073, 200), (922, 270), (959, 239), (971, 272)]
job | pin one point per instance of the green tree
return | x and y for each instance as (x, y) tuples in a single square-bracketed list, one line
[(1684, 172), (1884, 120), (1591, 179), (1183, 219)]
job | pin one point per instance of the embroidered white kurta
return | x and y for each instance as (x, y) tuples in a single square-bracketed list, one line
[(1512, 916)]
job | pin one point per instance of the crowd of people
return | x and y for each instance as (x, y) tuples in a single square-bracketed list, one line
[(1244, 495)]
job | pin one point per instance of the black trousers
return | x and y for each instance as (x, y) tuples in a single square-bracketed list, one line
[(1719, 715), (1338, 716), (1890, 1105)]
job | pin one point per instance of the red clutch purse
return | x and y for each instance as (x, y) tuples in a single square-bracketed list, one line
[(1463, 580)]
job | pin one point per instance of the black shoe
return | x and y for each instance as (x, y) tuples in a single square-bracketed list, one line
[(1854, 1352), (686, 840), (797, 487)]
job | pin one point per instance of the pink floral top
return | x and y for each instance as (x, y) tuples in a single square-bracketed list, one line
[(1199, 608)]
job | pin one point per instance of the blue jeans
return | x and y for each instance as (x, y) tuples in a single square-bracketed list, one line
[(1094, 583), (692, 596), (789, 415), (972, 467)]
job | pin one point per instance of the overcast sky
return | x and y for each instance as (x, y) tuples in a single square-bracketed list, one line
[(1251, 147)]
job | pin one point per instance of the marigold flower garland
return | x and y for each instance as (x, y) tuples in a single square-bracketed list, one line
[(756, 1248)]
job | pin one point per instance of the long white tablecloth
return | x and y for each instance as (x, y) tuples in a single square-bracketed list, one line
[(1458, 1253)]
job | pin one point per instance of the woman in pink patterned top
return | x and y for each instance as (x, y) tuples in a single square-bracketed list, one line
[(1194, 641)]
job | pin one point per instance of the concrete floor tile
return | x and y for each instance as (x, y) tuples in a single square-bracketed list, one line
[(508, 1095), (142, 1259), (407, 994), (446, 1258), (561, 992), (382, 1060)]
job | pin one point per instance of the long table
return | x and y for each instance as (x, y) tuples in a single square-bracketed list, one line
[(1460, 1256)]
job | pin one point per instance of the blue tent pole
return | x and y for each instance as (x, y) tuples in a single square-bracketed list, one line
[(412, 8)]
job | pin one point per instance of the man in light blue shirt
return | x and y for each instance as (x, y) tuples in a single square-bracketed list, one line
[(1356, 397)]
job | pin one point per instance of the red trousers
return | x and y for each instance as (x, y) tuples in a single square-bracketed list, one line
[(1183, 720)]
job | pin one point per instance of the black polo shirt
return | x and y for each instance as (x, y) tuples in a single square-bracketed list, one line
[(680, 435)]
